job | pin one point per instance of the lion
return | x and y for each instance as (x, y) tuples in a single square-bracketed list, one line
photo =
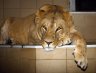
[(50, 26)]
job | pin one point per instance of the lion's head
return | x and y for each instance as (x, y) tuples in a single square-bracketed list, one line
[(53, 25)]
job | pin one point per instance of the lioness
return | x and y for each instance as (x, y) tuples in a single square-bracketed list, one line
[(50, 26)]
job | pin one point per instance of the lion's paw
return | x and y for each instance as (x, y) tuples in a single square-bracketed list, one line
[(81, 61), (67, 41)]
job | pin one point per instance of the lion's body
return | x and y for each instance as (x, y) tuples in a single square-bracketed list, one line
[(20, 30), (50, 26)]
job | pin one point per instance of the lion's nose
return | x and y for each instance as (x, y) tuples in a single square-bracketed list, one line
[(48, 42)]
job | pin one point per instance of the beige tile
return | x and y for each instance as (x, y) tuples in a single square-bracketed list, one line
[(28, 53), (91, 52), (21, 57), (86, 23), (72, 67), (40, 3), (15, 53), (11, 13), (16, 60), (11, 3), (27, 66), (1, 20), (1, 14), (26, 12), (28, 4), (17, 65), (55, 54), (1, 3), (50, 66), (69, 53), (64, 3)]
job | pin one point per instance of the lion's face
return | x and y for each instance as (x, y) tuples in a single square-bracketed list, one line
[(52, 26)]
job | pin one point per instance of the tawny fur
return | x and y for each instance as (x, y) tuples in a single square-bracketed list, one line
[(50, 26)]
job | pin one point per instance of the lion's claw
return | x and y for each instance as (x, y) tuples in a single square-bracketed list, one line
[(82, 64)]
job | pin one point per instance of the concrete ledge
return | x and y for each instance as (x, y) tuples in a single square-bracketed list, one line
[(39, 46)]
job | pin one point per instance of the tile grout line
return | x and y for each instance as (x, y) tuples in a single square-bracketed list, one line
[(3, 9), (66, 60), (52, 1), (36, 4), (19, 8), (35, 59), (36, 50)]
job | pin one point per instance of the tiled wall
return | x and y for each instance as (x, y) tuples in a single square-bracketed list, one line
[(1, 10), (21, 8), (17, 60), (32, 60), (62, 61), (85, 22), (37, 60)]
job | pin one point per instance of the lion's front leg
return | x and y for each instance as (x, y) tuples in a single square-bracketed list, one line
[(80, 53)]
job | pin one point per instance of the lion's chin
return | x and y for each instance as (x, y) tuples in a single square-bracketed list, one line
[(47, 47)]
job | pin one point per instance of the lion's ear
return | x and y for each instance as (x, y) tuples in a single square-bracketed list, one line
[(39, 15), (43, 9)]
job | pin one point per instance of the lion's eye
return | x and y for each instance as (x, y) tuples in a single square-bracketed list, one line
[(58, 29), (43, 29)]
